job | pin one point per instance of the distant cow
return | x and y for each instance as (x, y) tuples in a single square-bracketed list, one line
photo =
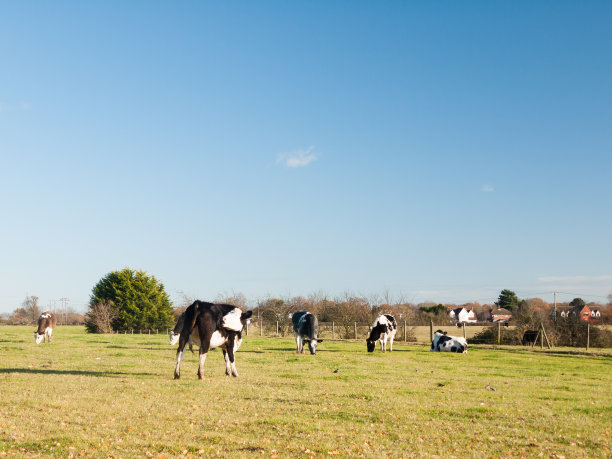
[(210, 326), (529, 337), (46, 324), (443, 343), (306, 329), (383, 329)]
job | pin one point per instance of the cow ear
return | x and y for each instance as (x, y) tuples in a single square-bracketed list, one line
[(319, 341), (306, 340), (246, 315)]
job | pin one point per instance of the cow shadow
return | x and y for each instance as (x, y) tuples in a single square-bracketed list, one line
[(98, 374)]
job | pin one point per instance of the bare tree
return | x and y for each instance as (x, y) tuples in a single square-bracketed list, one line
[(28, 313), (100, 317), (237, 299)]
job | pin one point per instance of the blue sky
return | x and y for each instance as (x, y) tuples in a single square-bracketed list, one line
[(433, 150)]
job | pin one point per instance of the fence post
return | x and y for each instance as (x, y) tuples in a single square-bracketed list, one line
[(498, 333), (588, 335), (247, 328), (464, 337), (333, 330), (260, 327), (355, 330), (430, 330), (405, 336), (277, 328)]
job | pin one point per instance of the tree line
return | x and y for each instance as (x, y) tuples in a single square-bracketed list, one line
[(130, 300)]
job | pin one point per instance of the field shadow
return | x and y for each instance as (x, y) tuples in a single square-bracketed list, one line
[(139, 348), (286, 349), (40, 371)]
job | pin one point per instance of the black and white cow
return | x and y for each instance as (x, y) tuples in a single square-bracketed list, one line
[(306, 329), (443, 343), (211, 326), (46, 324), (384, 328)]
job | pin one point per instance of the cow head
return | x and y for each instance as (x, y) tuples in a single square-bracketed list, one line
[(312, 344), (174, 337), (38, 338), (371, 344)]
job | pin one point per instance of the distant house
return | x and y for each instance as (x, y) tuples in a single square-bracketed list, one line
[(584, 313), (564, 312), (500, 315), (463, 315)]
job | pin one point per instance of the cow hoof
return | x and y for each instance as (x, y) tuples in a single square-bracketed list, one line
[(177, 376)]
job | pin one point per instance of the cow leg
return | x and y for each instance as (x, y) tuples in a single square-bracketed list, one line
[(179, 357), (391, 343), (383, 343), (232, 358), (228, 367), (201, 363)]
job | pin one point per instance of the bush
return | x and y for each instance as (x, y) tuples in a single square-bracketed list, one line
[(568, 331), (489, 336)]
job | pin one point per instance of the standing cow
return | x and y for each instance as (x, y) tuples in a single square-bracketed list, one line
[(210, 326), (444, 343), (46, 324), (384, 328), (306, 329)]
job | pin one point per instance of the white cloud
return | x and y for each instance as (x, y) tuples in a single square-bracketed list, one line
[(297, 158), (487, 189)]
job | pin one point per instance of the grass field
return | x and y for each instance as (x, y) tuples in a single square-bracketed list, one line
[(114, 396)]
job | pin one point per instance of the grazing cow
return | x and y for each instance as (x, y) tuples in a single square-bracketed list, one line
[(529, 337), (210, 326), (306, 329), (384, 328), (46, 324), (443, 343)]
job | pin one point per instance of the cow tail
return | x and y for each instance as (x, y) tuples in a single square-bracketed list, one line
[(191, 316)]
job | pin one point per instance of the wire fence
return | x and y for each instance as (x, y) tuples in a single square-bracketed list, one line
[(475, 333)]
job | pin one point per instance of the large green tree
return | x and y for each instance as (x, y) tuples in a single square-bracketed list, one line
[(508, 300), (138, 299), (577, 302)]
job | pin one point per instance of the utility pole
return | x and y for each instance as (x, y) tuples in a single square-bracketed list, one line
[(555, 297), (64, 303)]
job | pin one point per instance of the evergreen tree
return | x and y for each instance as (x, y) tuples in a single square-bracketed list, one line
[(139, 300), (508, 300), (577, 302)]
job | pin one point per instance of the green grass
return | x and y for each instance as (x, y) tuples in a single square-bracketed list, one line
[(113, 395)]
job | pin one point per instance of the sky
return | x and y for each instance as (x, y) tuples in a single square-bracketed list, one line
[(430, 151)]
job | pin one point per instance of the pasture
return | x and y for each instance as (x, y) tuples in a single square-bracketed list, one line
[(114, 396)]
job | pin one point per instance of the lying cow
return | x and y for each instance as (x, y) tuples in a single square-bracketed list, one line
[(211, 326), (384, 328), (306, 329), (46, 324), (443, 343)]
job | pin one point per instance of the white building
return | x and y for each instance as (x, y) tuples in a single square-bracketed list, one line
[(463, 315)]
